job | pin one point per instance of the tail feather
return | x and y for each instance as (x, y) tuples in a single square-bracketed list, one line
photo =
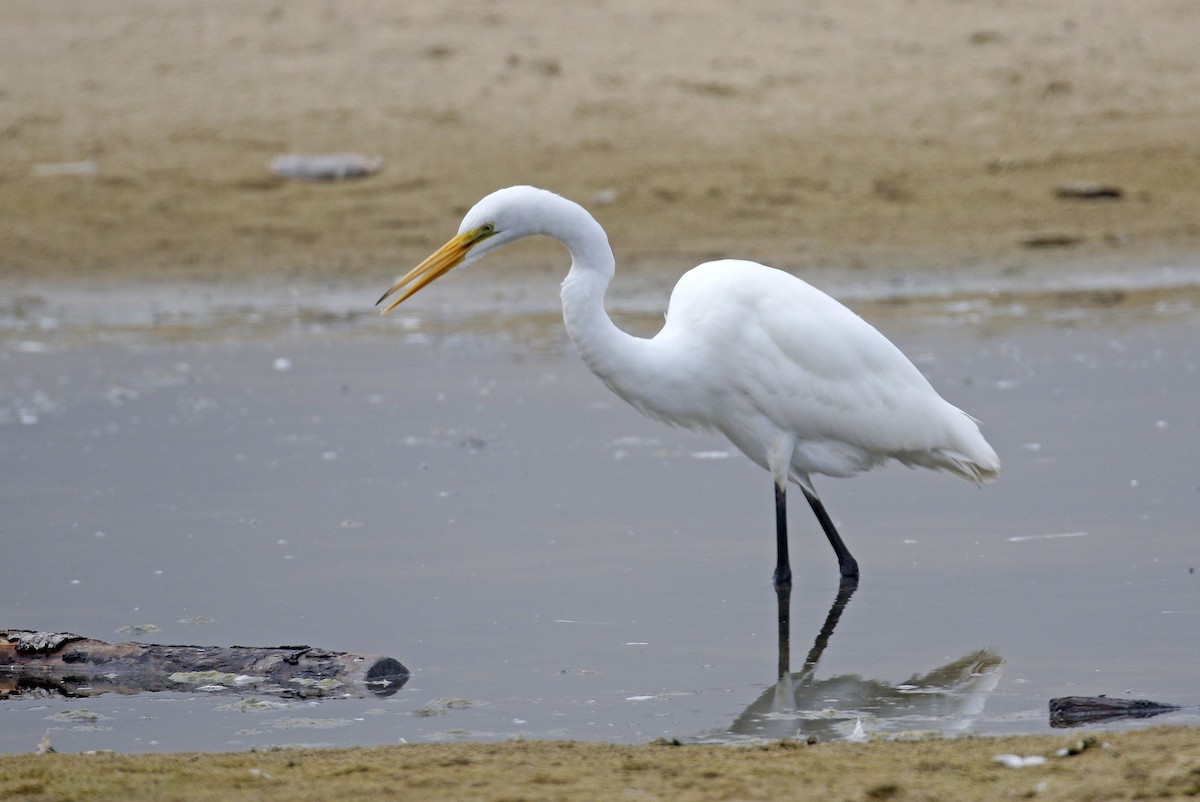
[(980, 471), (967, 454), (971, 456)]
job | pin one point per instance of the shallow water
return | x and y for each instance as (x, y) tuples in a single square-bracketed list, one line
[(464, 496)]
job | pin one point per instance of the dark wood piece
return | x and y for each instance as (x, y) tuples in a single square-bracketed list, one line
[(1073, 711), (73, 665)]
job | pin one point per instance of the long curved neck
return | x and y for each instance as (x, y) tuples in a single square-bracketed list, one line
[(616, 357)]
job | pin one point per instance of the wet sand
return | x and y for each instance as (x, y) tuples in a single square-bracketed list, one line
[(1159, 763), (928, 137)]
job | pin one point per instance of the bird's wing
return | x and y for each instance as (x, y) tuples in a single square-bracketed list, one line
[(800, 362)]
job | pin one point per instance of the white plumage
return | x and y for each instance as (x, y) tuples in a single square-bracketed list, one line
[(798, 382)]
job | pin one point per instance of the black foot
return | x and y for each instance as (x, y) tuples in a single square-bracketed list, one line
[(782, 578), (849, 569)]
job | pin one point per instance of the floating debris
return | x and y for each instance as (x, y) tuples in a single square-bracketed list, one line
[(79, 714), (1072, 711), (438, 707), (138, 629), (325, 166), (251, 704), (72, 665)]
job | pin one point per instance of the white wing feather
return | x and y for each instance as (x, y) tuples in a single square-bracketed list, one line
[(772, 357)]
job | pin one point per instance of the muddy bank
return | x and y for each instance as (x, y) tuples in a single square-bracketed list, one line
[(1150, 764)]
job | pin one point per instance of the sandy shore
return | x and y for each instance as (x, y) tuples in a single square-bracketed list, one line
[(135, 136), (1153, 764)]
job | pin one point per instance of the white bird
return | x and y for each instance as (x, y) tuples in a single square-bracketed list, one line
[(799, 383)]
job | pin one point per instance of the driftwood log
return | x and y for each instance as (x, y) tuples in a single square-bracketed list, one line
[(73, 665), (1074, 711)]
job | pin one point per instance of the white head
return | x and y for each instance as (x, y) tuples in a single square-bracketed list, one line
[(502, 217)]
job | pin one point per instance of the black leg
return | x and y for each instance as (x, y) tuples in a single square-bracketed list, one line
[(783, 568), (783, 594), (846, 562)]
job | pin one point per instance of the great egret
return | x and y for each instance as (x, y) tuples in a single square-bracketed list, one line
[(799, 383)]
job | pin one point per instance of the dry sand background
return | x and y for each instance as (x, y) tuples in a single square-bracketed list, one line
[(865, 134)]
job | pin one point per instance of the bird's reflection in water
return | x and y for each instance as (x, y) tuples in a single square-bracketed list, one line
[(945, 700)]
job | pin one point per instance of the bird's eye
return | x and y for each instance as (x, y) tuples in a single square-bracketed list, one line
[(487, 228)]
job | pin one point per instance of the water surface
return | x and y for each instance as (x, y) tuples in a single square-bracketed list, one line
[(463, 495)]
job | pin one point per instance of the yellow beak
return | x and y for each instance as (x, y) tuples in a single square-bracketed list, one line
[(440, 262)]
